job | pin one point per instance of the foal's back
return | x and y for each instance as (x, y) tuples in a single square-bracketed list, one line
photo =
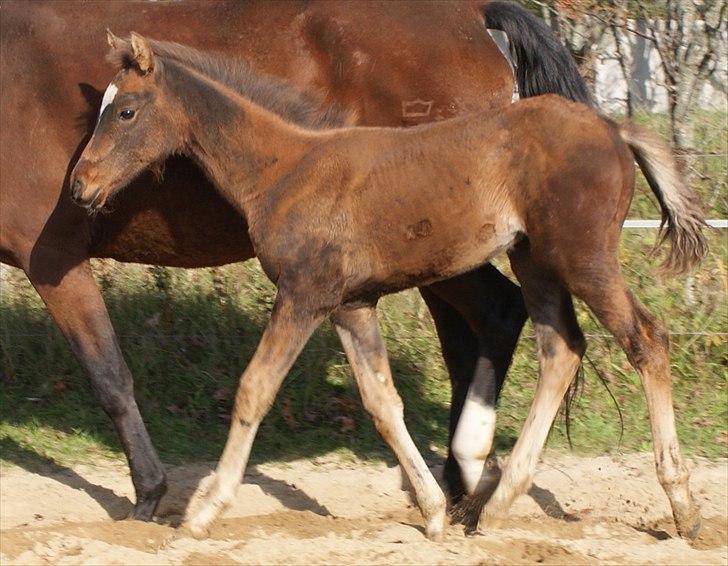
[(446, 197)]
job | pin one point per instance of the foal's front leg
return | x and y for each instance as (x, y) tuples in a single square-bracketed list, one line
[(359, 334), (285, 335)]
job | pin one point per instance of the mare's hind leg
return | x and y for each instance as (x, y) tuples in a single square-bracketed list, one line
[(359, 333), (285, 335), (459, 347), (479, 317), (560, 346), (74, 302), (646, 343)]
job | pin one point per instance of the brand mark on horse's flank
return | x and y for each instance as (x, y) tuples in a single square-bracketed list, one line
[(108, 98), (416, 108)]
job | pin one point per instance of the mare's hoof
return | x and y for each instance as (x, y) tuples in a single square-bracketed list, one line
[(147, 504), (467, 512), (144, 509)]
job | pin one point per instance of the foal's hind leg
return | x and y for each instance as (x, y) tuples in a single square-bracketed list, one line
[(359, 333), (285, 335), (560, 348), (646, 343)]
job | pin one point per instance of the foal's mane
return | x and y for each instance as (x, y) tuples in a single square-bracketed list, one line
[(303, 109)]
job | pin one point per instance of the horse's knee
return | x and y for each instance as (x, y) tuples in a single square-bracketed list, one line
[(647, 345), (116, 405), (252, 401), (658, 336), (567, 343), (113, 386), (386, 411)]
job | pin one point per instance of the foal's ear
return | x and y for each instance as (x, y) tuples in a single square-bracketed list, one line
[(142, 53), (113, 41)]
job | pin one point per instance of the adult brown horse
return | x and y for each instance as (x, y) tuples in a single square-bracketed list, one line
[(339, 218), (387, 63)]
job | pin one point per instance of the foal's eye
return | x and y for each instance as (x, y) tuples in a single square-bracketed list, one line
[(126, 114)]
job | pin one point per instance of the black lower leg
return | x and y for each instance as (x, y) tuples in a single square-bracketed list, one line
[(112, 385), (65, 283)]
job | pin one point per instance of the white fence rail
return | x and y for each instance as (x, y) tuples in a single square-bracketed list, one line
[(716, 223)]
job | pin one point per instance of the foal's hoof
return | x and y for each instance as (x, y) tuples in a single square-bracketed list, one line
[(207, 503), (435, 526), (194, 530), (688, 524), (198, 520), (491, 518)]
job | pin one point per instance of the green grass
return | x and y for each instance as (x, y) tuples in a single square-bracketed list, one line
[(187, 335)]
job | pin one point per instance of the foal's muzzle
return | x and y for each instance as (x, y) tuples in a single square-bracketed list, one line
[(84, 193)]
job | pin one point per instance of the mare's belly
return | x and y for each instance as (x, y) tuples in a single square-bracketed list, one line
[(180, 222)]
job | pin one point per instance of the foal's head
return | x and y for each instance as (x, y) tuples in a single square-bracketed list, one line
[(139, 125)]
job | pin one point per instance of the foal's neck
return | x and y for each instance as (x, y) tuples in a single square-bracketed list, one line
[(243, 148)]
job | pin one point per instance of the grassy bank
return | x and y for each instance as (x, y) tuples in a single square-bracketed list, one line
[(187, 335)]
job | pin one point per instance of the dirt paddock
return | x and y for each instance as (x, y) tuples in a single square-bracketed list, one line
[(580, 511)]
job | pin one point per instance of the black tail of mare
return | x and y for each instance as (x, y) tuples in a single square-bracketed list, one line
[(543, 64)]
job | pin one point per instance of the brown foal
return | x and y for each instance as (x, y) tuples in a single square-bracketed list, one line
[(547, 181)]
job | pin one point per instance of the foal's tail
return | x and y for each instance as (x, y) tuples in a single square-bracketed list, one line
[(681, 210)]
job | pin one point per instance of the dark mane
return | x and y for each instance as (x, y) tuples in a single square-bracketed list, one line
[(304, 109)]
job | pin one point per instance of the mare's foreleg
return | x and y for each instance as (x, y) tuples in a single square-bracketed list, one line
[(359, 333), (73, 300), (284, 337)]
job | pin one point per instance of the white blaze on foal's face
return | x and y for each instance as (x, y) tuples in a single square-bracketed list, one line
[(109, 95)]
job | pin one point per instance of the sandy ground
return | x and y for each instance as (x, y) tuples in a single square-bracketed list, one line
[(581, 510)]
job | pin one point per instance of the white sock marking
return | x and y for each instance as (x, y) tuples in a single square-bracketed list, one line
[(473, 439)]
